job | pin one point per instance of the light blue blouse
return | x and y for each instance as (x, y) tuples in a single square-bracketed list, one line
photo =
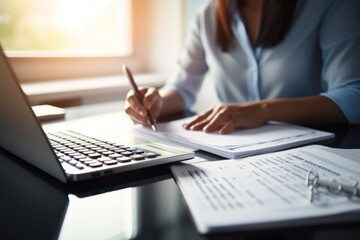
[(320, 55)]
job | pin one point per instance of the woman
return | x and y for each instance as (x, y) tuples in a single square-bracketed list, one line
[(281, 60)]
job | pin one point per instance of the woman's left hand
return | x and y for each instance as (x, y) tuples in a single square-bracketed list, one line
[(225, 118)]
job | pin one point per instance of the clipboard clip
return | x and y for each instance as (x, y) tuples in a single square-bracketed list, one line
[(314, 181)]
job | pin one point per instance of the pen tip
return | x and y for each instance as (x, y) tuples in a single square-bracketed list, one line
[(154, 128)]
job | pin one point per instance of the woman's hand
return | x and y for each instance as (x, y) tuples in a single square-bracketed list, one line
[(152, 101), (313, 110), (225, 118)]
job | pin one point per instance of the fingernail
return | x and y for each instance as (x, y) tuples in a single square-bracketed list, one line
[(193, 128), (142, 113)]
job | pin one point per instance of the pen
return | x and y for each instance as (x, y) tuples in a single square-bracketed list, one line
[(127, 72)]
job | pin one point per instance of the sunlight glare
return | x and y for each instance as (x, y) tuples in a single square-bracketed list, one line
[(68, 27), (71, 16)]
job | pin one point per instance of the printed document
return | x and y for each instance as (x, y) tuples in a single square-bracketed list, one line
[(267, 190), (269, 137)]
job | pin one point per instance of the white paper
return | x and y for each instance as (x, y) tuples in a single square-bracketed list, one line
[(264, 189), (239, 143)]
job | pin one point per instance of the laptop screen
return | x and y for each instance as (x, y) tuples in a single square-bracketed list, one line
[(21, 133)]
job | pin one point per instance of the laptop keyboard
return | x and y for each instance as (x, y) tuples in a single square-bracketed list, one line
[(82, 151)]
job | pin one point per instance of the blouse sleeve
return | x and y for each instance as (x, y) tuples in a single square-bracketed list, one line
[(340, 45), (191, 66)]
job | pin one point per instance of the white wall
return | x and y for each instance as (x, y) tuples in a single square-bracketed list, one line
[(163, 27)]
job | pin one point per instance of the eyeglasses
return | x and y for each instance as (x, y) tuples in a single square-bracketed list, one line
[(313, 181)]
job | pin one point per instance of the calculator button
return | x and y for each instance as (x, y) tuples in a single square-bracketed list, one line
[(110, 162), (95, 164), (94, 155), (66, 158), (80, 156), (123, 159), (79, 166), (103, 159), (115, 155), (90, 162), (73, 162), (126, 153), (137, 157), (150, 155), (107, 153), (137, 151)]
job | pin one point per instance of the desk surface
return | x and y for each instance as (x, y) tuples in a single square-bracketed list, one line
[(143, 204)]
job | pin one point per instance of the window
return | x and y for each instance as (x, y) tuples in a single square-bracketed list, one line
[(66, 27), (53, 45), (49, 40)]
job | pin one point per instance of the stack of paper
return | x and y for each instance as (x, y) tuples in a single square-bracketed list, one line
[(268, 190), (270, 137)]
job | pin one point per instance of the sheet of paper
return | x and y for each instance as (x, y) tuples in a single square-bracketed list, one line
[(264, 189)]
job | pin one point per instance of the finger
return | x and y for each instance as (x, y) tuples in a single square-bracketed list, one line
[(153, 101), (135, 103), (227, 128), (206, 119), (218, 121), (198, 119), (136, 117), (198, 122), (199, 126), (150, 97), (134, 113)]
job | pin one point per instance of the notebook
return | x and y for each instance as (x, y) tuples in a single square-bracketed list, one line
[(70, 155)]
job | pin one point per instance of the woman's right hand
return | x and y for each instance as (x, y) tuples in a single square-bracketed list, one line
[(152, 101)]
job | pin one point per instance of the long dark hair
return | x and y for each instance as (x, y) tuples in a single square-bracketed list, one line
[(275, 21)]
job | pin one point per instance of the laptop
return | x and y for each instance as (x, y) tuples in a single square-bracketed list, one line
[(70, 155)]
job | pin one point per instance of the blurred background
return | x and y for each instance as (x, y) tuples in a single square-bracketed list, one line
[(69, 52)]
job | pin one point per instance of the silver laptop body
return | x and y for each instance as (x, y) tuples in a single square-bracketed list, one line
[(23, 135)]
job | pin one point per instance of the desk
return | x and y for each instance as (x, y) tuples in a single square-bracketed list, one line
[(144, 204)]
